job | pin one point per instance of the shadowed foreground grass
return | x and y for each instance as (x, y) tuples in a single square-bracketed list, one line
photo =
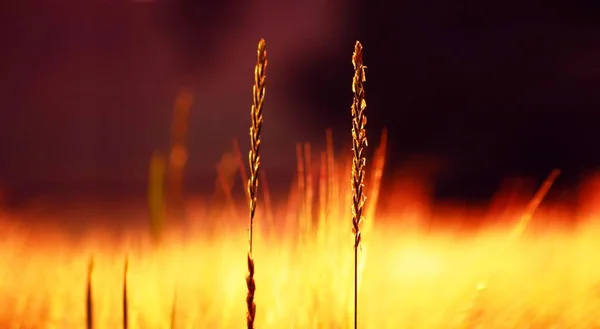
[(411, 278)]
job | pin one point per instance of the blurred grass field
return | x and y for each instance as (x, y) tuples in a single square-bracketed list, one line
[(413, 276)]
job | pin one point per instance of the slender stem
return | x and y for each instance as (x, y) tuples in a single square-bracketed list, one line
[(355, 287), (89, 305)]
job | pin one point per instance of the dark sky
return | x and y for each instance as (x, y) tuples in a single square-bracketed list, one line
[(491, 89)]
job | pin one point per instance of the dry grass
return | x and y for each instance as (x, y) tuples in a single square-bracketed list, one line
[(359, 143), (258, 93), (178, 154), (547, 276), (156, 199), (413, 279), (472, 313)]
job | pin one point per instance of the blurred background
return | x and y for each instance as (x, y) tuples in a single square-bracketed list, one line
[(474, 91)]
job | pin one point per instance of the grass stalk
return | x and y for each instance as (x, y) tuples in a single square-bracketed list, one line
[(308, 198), (174, 310), (359, 143), (322, 191), (89, 305), (301, 180), (125, 298), (332, 182), (472, 312), (242, 167), (534, 204), (267, 197), (376, 176), (156, 195), (178, 154), (256, 118), (226, 187)]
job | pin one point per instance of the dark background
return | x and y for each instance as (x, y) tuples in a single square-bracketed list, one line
[(490, 89)]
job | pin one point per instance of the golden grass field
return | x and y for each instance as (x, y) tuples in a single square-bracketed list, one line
[(413, 275)]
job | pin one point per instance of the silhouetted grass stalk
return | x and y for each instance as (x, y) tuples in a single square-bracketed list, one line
[(359, 142), (89, 305), (256, 118), (125, 298)]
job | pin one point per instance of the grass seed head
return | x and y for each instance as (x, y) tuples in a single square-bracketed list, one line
[(256, 119), (359, 141)]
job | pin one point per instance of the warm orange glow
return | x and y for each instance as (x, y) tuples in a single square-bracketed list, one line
[(412, 277)]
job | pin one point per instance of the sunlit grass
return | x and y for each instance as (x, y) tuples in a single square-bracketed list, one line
[(550, 278)]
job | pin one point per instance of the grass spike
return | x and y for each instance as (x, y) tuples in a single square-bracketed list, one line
[(359, 143), (256, 118)]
